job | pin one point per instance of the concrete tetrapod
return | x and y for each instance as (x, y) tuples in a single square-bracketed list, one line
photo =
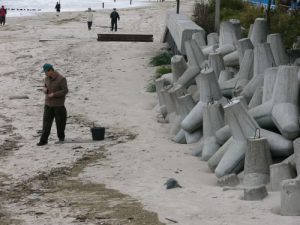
[(227, 38), (231, 59), (209, 90), (213, 120), (245, 74), (283, 107), (185, 105), (257, 162), (217, 157), (175, 92), (225, 75), (194, 53), (259, 31), (256, 98), (278, 49), (178, 65), (269, 83), (242, 45), (188, 77), (215, 61), (263, 59), (243, 126)]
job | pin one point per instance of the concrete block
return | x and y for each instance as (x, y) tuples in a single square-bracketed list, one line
[(181, 29), (290, 198), (278, 173), (257, 162)]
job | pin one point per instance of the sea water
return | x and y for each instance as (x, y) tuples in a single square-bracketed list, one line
[(31, 7)]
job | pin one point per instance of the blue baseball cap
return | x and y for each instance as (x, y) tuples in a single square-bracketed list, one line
[(47, 67)]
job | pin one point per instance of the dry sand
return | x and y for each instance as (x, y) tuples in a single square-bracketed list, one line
[(107, 83)]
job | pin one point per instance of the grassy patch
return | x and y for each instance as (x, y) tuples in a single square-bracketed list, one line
[(162, 70), (161, 59)]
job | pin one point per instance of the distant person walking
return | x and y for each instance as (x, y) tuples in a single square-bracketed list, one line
[(55, 90), (2, 15), (57, 7), (90, 18), (114, 16)]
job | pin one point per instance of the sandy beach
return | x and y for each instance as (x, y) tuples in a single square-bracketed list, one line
[(64, 183)]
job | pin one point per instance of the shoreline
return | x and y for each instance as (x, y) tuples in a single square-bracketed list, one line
[(107, 6)]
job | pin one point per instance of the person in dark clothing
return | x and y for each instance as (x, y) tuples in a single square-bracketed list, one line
[(2, 15), (55, 90), (114, 16), (57, 7)]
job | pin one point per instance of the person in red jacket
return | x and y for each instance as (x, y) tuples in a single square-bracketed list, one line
[(2, 15)]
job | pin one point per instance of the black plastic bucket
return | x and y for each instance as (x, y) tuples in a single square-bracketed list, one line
[(98, 133)]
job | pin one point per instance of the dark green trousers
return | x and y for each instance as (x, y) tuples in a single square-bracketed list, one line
[(60, 115)]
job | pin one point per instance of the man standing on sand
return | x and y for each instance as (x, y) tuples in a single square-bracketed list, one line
[(89, 18), (114, 16), (55, 90), (2, 15)]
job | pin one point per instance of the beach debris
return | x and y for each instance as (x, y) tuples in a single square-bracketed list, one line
[(172, 183)]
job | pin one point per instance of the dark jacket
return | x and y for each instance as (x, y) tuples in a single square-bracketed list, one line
[(58, 86), (114, 16), (2, 12)]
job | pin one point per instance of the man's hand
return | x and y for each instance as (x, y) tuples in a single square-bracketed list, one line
[(45, 90), (50, 95)]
